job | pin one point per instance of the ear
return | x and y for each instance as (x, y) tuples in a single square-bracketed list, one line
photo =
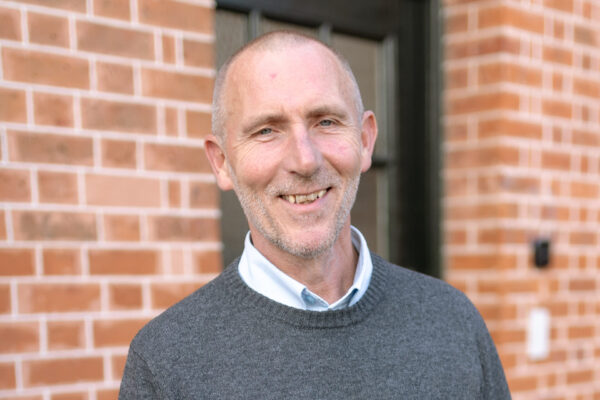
[(218, 162), (368, 136)]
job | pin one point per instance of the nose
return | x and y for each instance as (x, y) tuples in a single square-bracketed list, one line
[(304, 157)]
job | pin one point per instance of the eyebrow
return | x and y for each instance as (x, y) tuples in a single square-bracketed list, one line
[(320, 111), (266, 119)]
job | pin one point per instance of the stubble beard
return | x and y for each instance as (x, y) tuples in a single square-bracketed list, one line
[(258, 215)]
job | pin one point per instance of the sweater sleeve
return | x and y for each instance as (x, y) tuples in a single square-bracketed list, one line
[(494, 386), (138, 381)]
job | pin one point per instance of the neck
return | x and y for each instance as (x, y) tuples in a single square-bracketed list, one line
[(329, 275)]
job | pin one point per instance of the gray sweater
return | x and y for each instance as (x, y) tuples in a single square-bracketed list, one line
[(409, 337)]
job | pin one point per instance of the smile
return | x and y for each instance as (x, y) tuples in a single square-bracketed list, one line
[(304, 198)]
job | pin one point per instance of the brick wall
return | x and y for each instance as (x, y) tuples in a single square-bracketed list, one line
[(108, 210), (522, 160)]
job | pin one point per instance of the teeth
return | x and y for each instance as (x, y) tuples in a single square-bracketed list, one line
[(304, 198)]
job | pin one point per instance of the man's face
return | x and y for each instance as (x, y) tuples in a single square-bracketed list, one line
[(294, 147)]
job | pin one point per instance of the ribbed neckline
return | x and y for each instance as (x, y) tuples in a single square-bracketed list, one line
[(239, 294)]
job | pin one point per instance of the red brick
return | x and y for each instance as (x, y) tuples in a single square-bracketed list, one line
[(14, 185), (556, 160), (174, 194), (69, 396), (176, 85), (126, 191), (164, 295), (123, 262), (557, 108), (203, 195), (456, 132), (175, 158), (582, 284), (473, 262), (207, 262), (50, 148), (171, 122), (587, 87), (168, 49), (508, 16), (7, 376), (16, 262), (118, 365), (125, 297), (585, 36), (14, 108), (119, 154), (455, 237), (43, 225), (5, 302), (62, 371), (117, 116), (579, 377), (107, 394), (171, 228), (10, 24), (19, 337), (558, 55), (585, 190), (501, 236), (2, 225), (61, 261), (481, 46), (58, 297), (489, 156), (508, 127), (561, 5), (53, 109), (69, 5), (457, 77), (112, 9), (116, 332), (198, 54), (198, 124), (582, 238), (172, 14), (456, 22), (581, 332), (48, 29), (44, 68), (479, 102), (57, 187), (116, 41), (123, 228), (497, 72), (66, 335), (114, 77), (526, 383), (482, 211)]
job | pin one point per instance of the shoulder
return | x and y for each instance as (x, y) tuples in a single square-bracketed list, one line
[(424, 294), (180, 323)]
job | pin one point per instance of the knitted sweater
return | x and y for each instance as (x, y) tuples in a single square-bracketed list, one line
[(409, 337)]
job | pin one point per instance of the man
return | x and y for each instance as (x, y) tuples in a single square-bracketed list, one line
[(307, 311)]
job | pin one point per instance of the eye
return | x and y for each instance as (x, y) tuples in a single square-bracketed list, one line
[(265, 131), (326, 122)]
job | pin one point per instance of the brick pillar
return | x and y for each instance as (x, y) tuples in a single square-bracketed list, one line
[(109, 212), (522, 161)]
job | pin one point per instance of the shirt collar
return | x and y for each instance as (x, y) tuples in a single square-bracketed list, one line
[(265, 278)]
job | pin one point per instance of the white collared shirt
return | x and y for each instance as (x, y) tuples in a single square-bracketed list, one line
[(265, 278)]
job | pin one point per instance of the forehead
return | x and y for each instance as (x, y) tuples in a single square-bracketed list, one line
[(288, 76)]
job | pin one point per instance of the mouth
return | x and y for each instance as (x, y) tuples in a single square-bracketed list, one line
[(304, 198)]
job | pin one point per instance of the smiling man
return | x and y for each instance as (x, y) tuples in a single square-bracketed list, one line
[(306, 311)]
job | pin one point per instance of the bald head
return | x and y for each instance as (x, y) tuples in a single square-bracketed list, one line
[(274, 42)]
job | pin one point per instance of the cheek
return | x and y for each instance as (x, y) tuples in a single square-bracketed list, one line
[(344, 154), (254, 168)]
